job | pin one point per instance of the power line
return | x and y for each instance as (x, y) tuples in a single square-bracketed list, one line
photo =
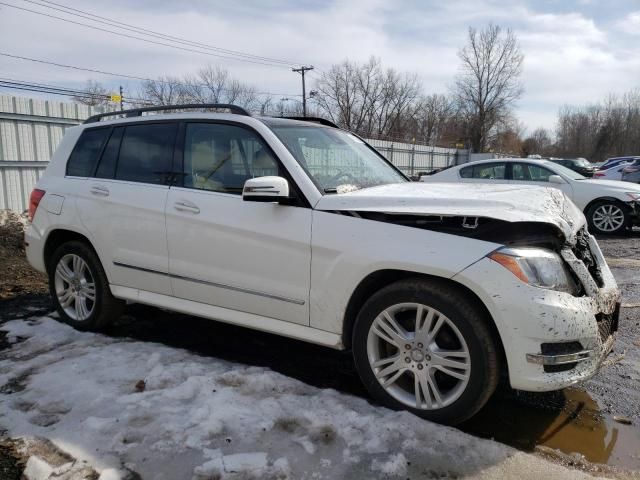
[(142, 39), (10, 83), (118, 75), (126, 26)]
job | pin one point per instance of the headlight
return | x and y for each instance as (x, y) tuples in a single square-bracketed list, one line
[(537, 267), (634, 196)]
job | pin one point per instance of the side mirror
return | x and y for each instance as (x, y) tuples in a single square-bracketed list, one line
[(265, 189), (556, 179)]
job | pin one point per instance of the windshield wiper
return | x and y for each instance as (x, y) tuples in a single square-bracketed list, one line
[(331, 190)]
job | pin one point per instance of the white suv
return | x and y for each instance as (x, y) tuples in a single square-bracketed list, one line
[(301, 229)]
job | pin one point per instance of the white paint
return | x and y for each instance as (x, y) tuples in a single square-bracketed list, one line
[(292, 270)]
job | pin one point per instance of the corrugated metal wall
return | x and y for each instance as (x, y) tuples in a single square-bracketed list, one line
[(30, 130)]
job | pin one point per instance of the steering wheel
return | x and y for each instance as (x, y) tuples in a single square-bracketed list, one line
[(341, 174)]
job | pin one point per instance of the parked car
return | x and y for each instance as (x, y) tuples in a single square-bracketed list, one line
[(580, 165), (612, 168), (631, 172), (610, 207), (304, 230)]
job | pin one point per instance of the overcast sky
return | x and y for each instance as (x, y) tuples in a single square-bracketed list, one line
[(576, 51)]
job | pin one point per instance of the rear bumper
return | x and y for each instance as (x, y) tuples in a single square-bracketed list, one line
[(34, 246)]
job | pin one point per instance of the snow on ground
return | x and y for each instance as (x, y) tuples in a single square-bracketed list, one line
[(204, 418)]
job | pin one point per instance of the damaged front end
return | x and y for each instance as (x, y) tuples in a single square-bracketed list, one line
[(546, 285)]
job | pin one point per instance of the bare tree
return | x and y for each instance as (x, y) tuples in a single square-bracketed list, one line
[(488, 83), (366, 98), (163, 91), (209, 85), (601, 130), (215, 85), (95, 94), (538, 143), (432, 118)]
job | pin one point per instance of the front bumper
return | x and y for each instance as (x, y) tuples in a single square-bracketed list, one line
[(634, 213), (530, 319)]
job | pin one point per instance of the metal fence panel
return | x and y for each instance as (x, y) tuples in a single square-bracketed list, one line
[(31, 129)]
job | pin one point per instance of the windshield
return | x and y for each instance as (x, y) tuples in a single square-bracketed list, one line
[(337, 161), (567, 172), (581, 162)]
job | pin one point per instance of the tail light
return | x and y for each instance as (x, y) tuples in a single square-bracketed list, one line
[(34, 201), (598, 174)]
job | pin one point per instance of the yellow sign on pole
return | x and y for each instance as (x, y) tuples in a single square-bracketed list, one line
[(116, 98)]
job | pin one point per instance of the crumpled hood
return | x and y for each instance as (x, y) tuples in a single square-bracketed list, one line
[(511, 203)]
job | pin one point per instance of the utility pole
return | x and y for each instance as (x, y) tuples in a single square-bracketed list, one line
[(121, 99), (302, 71), (282, 100)]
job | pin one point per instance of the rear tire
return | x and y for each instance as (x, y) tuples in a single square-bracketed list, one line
[(607, 217), (439, 359), (79, 288)]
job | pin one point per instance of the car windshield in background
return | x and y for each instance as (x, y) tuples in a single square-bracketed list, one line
[(581, 162), (567, 172), (337, 161)]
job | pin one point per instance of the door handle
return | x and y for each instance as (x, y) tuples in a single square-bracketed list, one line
[(100, 190), (186, 206)]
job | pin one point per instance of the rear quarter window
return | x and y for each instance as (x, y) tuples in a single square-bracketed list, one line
[(85, 154)]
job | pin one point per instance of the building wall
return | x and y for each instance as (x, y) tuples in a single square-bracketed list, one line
[(30, 130)]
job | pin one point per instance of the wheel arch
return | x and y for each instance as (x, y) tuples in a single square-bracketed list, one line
[(381, 278), (57, 237)]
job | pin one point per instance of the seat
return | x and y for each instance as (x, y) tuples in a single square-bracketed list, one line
[(203, 167)]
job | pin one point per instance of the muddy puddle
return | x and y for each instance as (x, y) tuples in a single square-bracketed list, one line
[(569, 421)]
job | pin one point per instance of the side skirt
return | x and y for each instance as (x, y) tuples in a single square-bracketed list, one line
[(249, 320)]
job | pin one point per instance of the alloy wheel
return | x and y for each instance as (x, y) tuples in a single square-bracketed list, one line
[(418, 356), (75, 287), (608, 218)]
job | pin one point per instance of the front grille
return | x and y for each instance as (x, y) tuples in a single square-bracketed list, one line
[(582, 251), (608, 323)]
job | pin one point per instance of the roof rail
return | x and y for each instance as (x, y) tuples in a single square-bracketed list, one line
[(321, 121), (137, 112)]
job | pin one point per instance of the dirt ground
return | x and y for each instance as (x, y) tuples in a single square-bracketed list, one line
[(17, 278)]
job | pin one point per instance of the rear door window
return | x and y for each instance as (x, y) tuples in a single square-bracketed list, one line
[(485, 171), (84, 157), (146, 152)]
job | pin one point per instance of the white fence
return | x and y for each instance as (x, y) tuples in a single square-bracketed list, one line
[(30, 130)]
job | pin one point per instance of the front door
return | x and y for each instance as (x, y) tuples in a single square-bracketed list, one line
[(245, 256)]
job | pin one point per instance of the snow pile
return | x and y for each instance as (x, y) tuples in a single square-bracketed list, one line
[(199, 418)]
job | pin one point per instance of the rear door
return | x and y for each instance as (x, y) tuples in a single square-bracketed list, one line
[(245, 256), (123, 204)]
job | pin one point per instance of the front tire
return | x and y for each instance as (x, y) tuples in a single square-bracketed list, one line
[(422, 346), (79, 288), (608, 218)]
